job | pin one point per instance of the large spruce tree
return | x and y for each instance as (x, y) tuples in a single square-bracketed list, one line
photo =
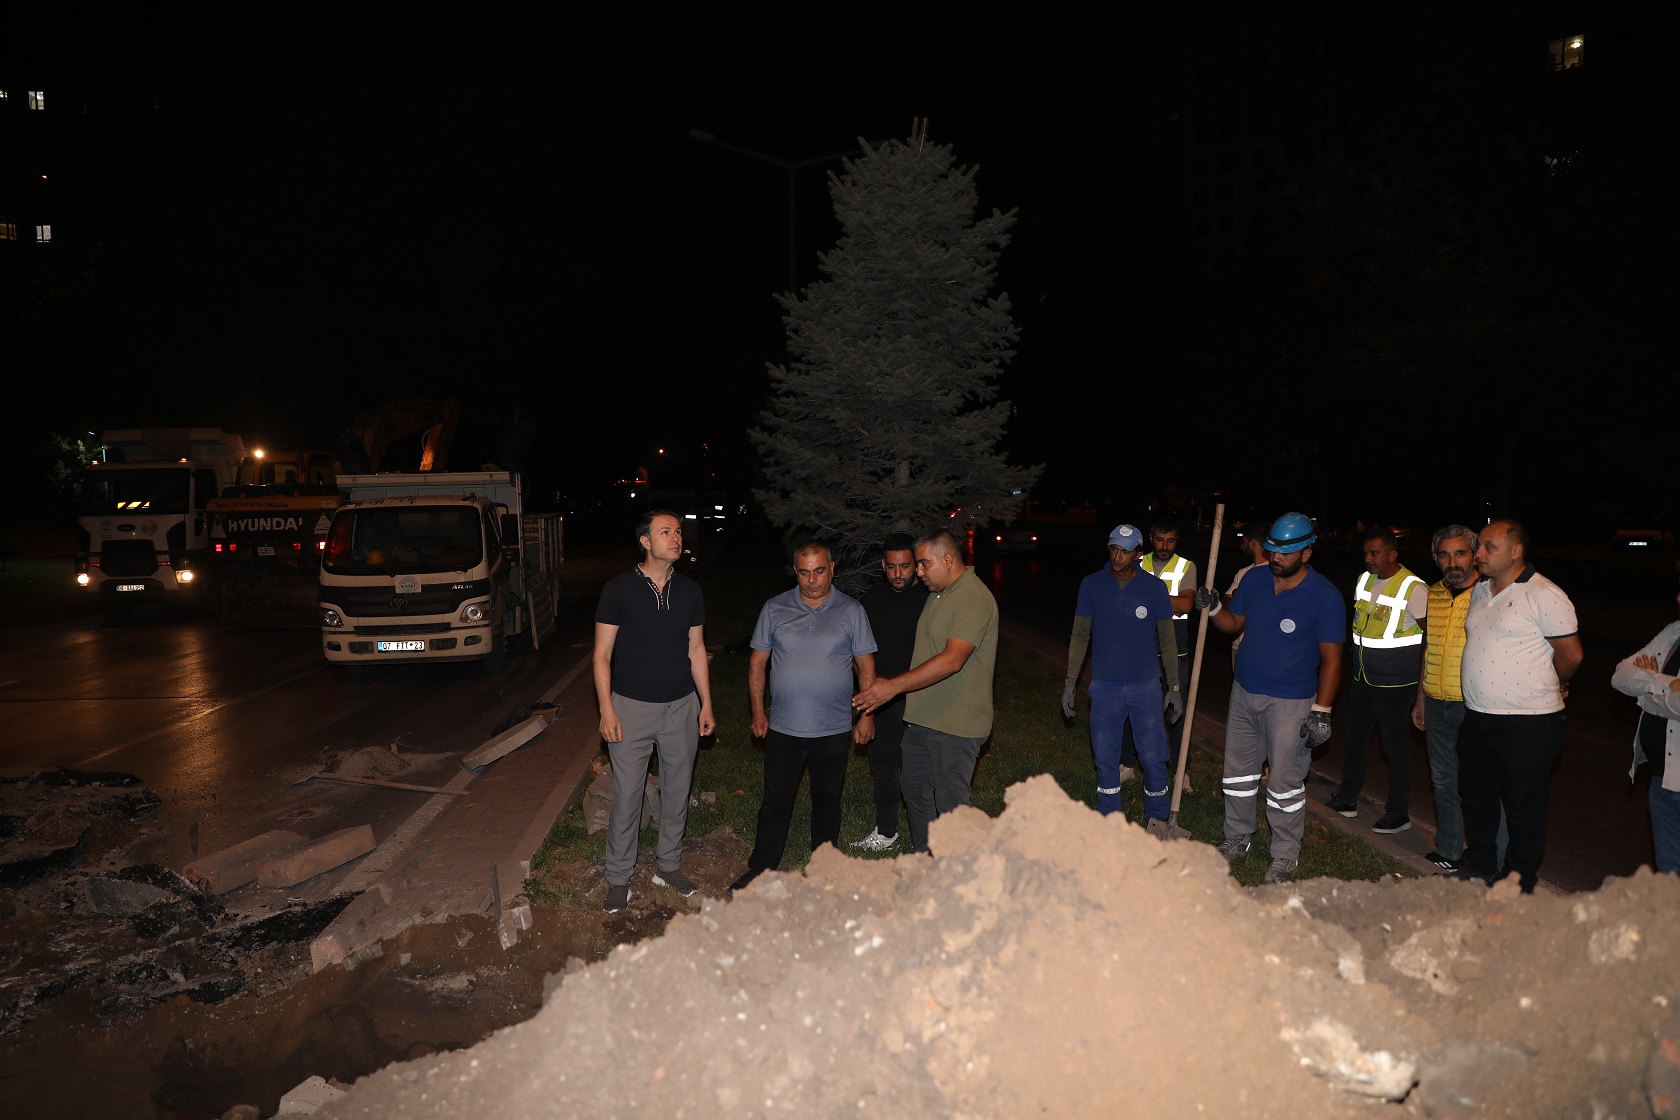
[(886, 416)]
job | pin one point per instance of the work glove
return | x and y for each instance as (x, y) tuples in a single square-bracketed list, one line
[(1207, 599), (1173, 705), (1315, 729), (1067, 696)]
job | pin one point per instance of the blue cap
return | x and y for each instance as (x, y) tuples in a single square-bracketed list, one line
[(1127, 537)]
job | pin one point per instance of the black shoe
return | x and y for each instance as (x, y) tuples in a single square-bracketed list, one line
[(747, 876), (1346, 806), (1445, 863), (1392, 822), (1469, 876)]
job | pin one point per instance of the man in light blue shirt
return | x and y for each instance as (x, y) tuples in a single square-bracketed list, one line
[(808, 643)]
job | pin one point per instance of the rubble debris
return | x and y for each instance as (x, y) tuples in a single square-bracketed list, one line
[(233, 867), (506, 742), (311, 858), (308, 1097)]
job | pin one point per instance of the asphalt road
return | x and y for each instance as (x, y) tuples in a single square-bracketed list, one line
[(222, 723), (1600, 823)]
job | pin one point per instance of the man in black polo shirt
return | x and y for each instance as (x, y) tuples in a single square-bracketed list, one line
[(894, 606), (654, 688)]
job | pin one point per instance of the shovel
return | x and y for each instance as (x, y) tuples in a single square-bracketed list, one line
[(1174, 832)]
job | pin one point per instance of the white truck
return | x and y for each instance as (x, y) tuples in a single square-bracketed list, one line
[(144, 519), (437, 567)]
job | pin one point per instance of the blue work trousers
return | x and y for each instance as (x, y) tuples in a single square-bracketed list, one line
[(1113, 705)]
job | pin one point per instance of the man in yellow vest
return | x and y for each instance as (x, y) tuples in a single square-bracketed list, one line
[(1390, 605), (1439, 707), (1179, 575)]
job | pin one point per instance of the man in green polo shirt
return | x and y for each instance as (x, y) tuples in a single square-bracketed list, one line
[(948, 712)]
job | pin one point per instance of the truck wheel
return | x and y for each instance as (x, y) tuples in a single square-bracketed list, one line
[(496, 660)]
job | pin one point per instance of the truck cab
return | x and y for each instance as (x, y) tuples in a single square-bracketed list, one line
[(436, 567), (143, 516)]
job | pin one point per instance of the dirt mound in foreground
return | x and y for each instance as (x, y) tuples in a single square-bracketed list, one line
[(1060, 963)]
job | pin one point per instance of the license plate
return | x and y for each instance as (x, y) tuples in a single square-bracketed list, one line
[(399, 647), (265, 550), (131, 587)]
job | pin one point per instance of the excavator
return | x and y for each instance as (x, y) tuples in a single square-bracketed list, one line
[(269, 527)]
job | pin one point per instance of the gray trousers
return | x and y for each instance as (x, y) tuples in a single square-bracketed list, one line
[(674, 729), (1261, 730), (938, 771)]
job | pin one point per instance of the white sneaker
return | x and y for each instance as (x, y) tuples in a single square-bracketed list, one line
[(875, 842)]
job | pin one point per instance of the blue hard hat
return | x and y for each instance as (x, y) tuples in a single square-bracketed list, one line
[(1291, 533)]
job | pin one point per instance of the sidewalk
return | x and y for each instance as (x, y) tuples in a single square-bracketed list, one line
[(472, 854), (1208, 734)]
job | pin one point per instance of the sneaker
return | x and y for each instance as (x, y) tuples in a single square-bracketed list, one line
[(1157, 826), (1346, 806), (747, 876), (1445, 863), (617, 897), (677, 881), (1392, 822), (1235, 846), (875, 842), (1281, 870)]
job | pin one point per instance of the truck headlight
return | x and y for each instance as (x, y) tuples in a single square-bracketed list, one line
[(81, 579), (476, 612), (330, 618), (183, 575)]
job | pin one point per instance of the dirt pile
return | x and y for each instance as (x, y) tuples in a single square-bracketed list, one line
[(1056, 962)]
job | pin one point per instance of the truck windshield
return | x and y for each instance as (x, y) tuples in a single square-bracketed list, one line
[(405, 540), (116, 490)]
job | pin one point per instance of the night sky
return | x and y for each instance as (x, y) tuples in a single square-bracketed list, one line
[(299, 220)]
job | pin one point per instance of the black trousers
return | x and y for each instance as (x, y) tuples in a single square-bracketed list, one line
[(886, 756), (1388, 710), (785, 757), (1506, 761)]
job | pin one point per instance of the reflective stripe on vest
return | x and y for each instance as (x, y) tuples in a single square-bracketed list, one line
[(1172, 577), (1368, 608)]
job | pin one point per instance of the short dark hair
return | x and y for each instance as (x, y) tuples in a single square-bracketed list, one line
[(812, 544), (899, 542), (644, 527), (944, 538), (1380, 533), (1163, 526)]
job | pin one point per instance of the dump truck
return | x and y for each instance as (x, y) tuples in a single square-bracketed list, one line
[(143, 516), (437, 567)]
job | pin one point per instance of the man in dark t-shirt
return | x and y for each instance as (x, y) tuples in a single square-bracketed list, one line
[(894, 606), (654, 689)]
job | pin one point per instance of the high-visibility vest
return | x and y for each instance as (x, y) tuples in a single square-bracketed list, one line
[(1388, 645), (1172, 575), (1443, 657)]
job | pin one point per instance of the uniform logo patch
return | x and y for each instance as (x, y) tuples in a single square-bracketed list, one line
[(1287, 626), (1142, 612)]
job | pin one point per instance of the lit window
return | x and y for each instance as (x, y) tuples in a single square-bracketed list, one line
[(1568, 53), (4, 95), (43, 234), (37, 99)]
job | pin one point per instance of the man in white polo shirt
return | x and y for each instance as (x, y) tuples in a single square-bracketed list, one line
[(1522, 647)]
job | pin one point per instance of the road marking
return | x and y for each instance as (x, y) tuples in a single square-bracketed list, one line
[(176, 725)]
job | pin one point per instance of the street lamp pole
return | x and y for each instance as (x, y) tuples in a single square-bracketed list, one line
[(791, 167)]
